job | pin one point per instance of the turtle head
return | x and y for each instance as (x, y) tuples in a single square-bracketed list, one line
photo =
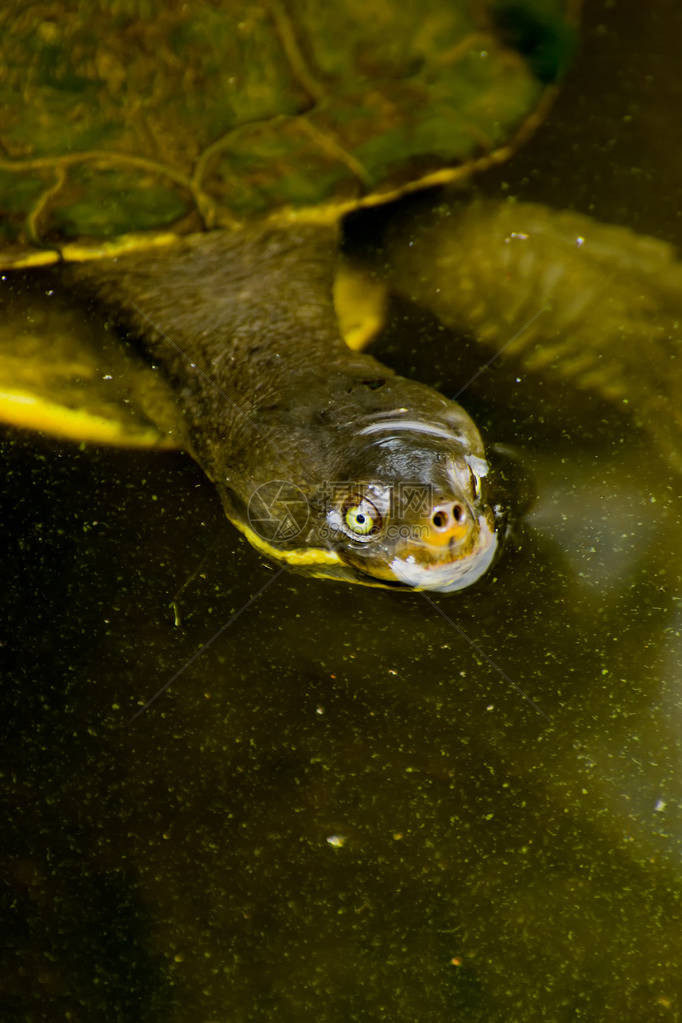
[(397, 496), (415, 508)]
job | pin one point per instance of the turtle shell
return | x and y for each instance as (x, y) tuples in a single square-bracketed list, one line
[(139, 117)]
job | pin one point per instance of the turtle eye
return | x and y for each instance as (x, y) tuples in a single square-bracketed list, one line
[(361, 517)]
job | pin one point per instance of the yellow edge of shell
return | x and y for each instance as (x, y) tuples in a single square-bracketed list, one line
[(325, 213)]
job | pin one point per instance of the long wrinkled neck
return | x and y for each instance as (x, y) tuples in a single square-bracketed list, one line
[(224, 297), (244, 326)]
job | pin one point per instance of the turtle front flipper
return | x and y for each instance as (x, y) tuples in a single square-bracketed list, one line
[(66, 375), (567, 296)]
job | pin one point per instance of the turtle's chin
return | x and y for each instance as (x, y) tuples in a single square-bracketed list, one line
[(446, 576)]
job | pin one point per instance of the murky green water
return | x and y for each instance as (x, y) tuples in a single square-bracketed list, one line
[(351, 807)]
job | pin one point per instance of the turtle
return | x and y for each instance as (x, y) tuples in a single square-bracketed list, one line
[(187, 168)]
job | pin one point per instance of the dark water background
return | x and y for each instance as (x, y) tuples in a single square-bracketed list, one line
[(350, 808)]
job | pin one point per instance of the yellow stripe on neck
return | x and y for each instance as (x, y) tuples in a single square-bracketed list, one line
[(300, 557), (312, 556)]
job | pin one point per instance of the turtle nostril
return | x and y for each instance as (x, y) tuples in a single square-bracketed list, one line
[(449, 524), (447, 517)]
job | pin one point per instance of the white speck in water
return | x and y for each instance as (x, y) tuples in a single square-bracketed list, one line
[(338, 841), (660, 806), (579, 241)]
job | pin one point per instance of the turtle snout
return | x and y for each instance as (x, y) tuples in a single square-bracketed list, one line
[(449, 522)]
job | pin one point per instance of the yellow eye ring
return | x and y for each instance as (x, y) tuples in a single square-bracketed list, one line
[(361, 517)]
